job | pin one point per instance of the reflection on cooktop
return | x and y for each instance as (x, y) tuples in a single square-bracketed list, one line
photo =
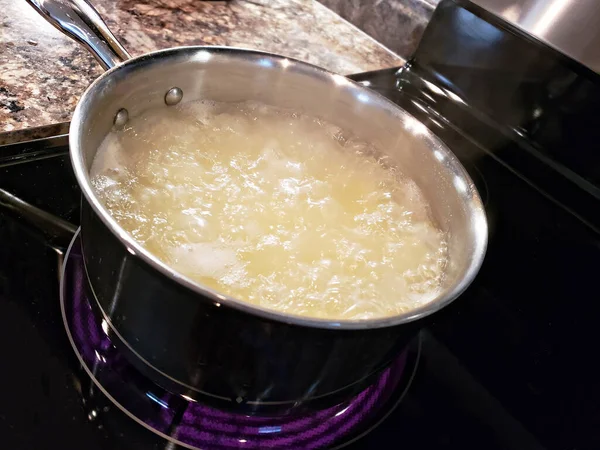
[(180, 419)]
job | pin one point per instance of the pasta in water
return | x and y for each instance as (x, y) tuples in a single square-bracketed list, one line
[(272, 208)]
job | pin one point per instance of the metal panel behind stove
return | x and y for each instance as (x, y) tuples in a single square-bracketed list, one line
[(570, 26)]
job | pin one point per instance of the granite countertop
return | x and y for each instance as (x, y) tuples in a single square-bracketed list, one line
[(43, 73), (397, 24)]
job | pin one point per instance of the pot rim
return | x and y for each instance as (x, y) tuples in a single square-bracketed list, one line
[(471, 198)]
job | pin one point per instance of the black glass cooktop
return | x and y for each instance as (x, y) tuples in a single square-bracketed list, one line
[(509, 365)]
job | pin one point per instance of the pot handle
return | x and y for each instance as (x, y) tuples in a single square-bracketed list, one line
[(55, 231), (80, 21)]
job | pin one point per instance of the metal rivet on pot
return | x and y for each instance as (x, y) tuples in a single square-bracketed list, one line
[(121, 118), (173, 96)]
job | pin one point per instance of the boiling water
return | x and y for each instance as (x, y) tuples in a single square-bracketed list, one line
[(272, 208)]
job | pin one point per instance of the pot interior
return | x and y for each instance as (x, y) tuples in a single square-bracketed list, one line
[(234, 75)]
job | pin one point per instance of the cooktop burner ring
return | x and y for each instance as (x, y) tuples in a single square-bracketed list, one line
[(182, 421)]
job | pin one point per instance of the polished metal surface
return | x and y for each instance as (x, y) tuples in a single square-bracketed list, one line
[(81, 22), (569, 26), (56, 230), (236, 75), (121, 118), (173, 96)]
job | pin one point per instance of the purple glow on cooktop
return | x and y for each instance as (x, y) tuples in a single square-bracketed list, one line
[(193, 423)]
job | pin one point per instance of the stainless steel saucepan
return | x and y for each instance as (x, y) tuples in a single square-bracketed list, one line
[(192, 339)]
